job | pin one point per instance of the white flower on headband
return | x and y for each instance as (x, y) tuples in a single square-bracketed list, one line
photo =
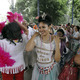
[(43, 16)]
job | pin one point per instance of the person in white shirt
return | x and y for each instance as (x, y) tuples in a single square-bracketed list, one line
[(46, 66), (75, 38), (63, 48), (29, 57), (12, 46)]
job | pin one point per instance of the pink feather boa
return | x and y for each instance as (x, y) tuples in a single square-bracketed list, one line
[(13, 16), (5, 59)]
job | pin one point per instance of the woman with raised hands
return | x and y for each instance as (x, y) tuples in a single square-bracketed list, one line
[(12, 46), (46, 66)]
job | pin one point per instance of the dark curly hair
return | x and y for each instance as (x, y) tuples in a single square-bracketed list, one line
[(12, 32), (78, 28), (61, 30)]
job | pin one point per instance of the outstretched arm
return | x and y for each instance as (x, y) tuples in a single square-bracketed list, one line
[(22, 26)]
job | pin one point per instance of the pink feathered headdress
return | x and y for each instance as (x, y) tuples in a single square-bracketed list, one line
[(5, 59), (2, 24), (12, 16)]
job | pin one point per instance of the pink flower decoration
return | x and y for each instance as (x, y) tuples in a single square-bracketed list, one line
[(12, 16), (2, 24), (5, 59)]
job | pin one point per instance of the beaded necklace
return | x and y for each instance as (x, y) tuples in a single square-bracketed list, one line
[(46, 41)]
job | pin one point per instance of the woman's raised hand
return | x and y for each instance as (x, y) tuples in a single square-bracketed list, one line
[(36, 34)]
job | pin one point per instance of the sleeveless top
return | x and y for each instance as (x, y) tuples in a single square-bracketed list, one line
[(44, 51)]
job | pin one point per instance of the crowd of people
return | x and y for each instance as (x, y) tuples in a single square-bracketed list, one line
[(52, 45)]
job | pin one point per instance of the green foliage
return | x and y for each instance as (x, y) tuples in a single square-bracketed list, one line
[(55, 8), (76, 12), (77, 9)]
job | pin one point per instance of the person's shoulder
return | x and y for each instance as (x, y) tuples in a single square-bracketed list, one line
[(37, 38), (24, 36), (4, 41), (30, 28), (78, 32)]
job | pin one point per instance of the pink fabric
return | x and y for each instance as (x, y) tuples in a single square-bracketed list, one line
[(2, 24), (5, 58), (12, 16)]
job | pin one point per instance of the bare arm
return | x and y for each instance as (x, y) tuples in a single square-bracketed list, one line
[(77, 59), (31, 44), (22, 26), (76, 38), (57, 56)]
